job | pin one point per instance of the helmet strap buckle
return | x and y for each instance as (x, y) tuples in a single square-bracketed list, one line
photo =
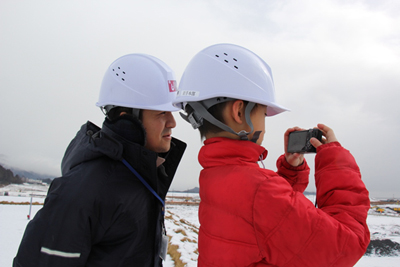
[(192, 119)]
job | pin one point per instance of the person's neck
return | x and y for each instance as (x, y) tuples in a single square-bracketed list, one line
[(222, 134)]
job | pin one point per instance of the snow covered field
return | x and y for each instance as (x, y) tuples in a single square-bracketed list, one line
[(182, 227)]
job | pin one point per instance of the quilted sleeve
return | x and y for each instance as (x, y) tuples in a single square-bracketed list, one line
[(297, 177), (292, 232)]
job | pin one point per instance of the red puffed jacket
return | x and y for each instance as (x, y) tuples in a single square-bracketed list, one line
[(251, 216)]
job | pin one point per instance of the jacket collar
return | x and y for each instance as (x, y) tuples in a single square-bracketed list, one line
[(222, 151), (125, 129), (91, 142)]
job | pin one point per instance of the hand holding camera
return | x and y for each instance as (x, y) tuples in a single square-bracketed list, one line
[(299, 141), (328, 136)]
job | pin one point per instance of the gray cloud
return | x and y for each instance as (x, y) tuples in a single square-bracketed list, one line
[(333, 61)]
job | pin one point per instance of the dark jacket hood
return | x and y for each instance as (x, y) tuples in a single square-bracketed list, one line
[(92, 142)]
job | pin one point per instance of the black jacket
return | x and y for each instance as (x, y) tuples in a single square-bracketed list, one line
[(99, 213)]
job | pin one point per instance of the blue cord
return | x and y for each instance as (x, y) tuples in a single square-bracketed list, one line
[(145, 183)]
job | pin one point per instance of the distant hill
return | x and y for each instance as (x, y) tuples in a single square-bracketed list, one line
[(31, 175), (18, 176), (193, 190), (8, 177)]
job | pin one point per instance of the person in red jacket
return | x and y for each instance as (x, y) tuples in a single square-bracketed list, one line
[(252, 216)]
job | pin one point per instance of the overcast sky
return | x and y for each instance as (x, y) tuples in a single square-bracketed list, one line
[(335, 62)]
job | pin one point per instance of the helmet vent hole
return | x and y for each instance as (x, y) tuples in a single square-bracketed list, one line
[(119, 72), (226, 59)]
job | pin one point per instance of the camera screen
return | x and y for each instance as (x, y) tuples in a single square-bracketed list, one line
[(297, 141)]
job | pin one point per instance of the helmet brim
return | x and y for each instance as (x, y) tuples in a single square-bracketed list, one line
[(162, 107)]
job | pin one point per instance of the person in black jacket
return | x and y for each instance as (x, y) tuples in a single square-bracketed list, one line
[(107, 209)]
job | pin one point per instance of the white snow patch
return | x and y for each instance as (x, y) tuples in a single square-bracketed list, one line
[(182, 225)]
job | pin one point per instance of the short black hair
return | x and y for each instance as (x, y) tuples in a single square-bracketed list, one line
[(114, 113)]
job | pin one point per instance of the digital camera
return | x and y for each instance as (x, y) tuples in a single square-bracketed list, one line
[(299, 141)]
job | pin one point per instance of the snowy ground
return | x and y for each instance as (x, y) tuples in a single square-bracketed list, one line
[(182, 226)]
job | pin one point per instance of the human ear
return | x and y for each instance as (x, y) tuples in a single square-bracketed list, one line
[(238, 111)]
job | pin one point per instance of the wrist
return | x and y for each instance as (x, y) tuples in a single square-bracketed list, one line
[(282, 161)]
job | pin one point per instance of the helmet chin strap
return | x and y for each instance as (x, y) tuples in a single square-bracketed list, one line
[(256, 135), (200, 112)]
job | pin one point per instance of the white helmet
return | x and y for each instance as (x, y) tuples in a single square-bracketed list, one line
[(138, 81), (223, 72), (227, 70)]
